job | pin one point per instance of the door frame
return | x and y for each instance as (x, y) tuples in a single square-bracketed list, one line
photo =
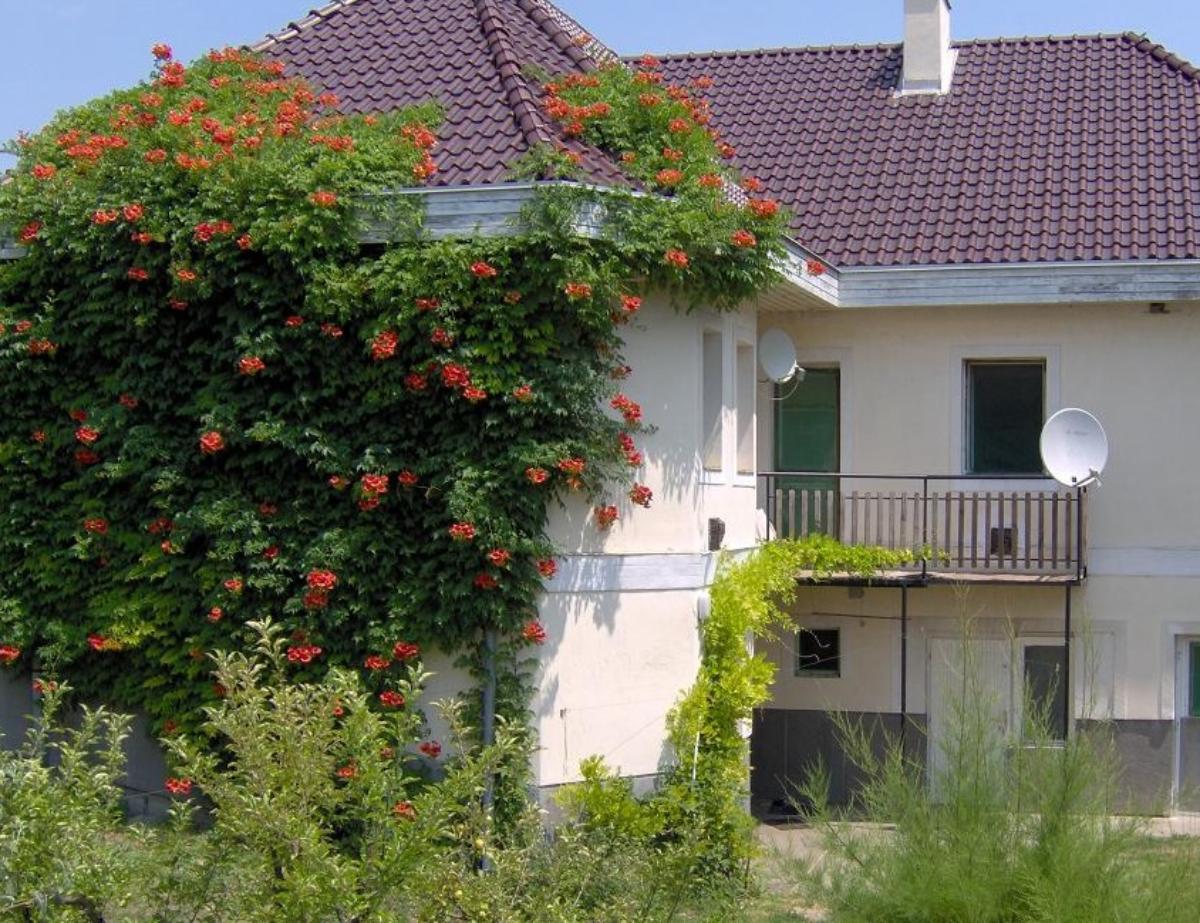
[(779, 394), (812, 358), (777, 407), (1181, 665), (1004, 691), (1013, 690), (1020, 644)]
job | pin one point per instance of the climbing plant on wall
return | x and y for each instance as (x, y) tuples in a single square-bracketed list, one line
[(219, 405), (750, 601)]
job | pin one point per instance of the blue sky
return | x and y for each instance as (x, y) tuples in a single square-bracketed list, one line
[(61, 52)]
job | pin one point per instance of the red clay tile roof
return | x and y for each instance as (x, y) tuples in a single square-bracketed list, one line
[(1045, 149), (378, 55)]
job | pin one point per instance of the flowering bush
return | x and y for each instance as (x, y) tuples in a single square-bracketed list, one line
[(712, 238), (323, 804), (218, 405)]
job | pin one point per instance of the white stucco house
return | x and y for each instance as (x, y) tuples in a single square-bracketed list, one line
[(1010, 227)]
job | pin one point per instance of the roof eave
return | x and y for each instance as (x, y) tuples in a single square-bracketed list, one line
[(997, 284)]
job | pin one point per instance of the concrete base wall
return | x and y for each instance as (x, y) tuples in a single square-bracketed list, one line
[(1145, 756), (789, 744)]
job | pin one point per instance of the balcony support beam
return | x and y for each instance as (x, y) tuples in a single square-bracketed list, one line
[(904, 666), (1068, 692)]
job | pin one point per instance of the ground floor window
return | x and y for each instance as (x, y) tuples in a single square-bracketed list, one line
[(819, 652)]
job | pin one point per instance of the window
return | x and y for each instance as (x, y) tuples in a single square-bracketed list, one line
[(1001, 541), (1194, 679), (1006, 403), (819, 652), (713, 400), (1045, 690), (746, 397)]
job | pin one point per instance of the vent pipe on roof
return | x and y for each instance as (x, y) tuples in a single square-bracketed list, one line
[(928, 57)]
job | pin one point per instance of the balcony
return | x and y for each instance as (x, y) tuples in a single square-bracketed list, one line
[(956, 529)]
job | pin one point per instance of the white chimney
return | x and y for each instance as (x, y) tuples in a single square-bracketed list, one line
[(928, 57)]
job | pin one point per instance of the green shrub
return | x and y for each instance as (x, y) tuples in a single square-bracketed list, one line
[(301, 801), (60, 799), (604, 803), (1005, 833)]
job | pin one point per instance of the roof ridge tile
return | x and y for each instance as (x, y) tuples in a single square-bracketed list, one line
[(576, 42), (292, 29), (1141, 41), (1160, 52), (516, 90)]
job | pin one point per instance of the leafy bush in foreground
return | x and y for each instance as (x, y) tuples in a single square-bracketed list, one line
[(59, 799), (322, 808)]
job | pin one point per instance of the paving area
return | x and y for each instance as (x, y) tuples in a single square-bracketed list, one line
[(793, 841), (1175, 825), (802, 842), (790, 848)]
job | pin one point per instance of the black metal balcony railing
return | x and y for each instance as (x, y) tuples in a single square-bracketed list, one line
[(1001, 532)]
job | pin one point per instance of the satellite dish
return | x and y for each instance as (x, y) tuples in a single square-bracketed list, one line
[(1074, 447), (777, 355)]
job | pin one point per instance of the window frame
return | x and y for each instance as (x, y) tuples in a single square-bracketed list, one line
[(739, 397), (745, 408), (969, 412), (720, 472), (958, 356), (1019, 676), (1193, 693)]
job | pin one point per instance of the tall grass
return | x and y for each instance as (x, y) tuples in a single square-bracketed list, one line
[(1002, 831)]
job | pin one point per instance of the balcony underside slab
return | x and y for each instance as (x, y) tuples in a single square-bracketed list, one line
[(897, 578)]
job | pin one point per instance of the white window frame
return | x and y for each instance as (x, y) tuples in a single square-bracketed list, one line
[(734, 331), (1023, 643)]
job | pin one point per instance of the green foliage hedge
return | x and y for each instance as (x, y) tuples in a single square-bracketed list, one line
[(219, 406)]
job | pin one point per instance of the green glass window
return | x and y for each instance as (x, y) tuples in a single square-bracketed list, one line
[(806, 423), (1194, 675), (807, 436), (1006, 405)]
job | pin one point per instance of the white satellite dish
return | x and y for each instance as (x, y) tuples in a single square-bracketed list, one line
[(1074, 447), (777, 355)]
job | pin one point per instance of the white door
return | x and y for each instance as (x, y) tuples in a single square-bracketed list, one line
[(964, 675)]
